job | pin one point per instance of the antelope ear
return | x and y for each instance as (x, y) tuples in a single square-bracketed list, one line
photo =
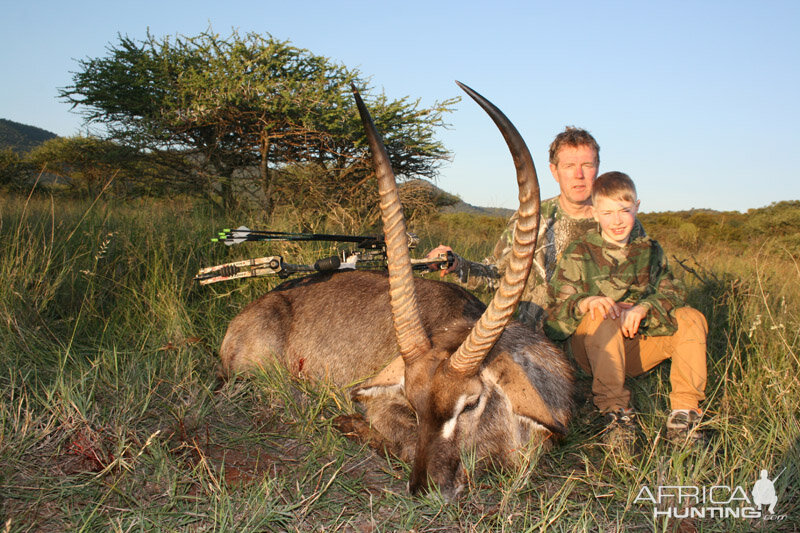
[(525, 398), (391, 377)]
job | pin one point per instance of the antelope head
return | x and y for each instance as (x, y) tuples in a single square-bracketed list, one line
[(441, 376)]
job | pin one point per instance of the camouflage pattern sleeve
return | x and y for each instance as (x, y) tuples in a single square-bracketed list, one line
[(555, 231), (568, 286), (662, 296), (466, 270), (502, 249)]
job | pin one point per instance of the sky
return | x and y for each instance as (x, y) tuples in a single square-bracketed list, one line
[(698, 101)]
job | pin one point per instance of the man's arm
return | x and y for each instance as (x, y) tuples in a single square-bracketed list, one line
[(535, 297), (464, 268), (491, 268), (467, 269)]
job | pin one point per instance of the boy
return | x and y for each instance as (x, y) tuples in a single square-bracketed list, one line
[(622, 313)]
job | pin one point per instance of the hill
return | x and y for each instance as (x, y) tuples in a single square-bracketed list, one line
[(21, 137), (778, 222)]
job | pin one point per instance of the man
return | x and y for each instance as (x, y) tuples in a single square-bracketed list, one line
[(574, 162)]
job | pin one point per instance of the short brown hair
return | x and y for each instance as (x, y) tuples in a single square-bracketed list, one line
[(614, 185), (573, 137)]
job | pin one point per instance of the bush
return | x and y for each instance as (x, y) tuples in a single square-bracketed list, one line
[(14, 170), (687, 233)]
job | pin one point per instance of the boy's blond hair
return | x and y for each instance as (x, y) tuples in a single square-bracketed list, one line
[(614, 185)]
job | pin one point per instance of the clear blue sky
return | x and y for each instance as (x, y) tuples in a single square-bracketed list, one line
[(699, 101)]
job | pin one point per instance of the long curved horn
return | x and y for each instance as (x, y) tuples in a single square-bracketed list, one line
[(471, 353), (411, 336)]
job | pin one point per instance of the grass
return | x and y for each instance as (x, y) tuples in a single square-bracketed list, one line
[(112, 419)]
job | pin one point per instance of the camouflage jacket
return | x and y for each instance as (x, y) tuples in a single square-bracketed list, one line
[(637, 273), (556, 230)]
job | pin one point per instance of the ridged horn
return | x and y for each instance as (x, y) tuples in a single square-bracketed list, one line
[(411, 336), (488, 329)]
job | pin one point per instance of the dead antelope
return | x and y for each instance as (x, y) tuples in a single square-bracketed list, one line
[(444, 373)]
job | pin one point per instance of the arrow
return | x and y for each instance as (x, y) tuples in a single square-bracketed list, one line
[(245, 234)]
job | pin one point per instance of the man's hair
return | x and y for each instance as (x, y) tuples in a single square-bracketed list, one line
[(574, 138), (614, 185)]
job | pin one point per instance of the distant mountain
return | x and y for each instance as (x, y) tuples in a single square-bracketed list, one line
[(21, 137)]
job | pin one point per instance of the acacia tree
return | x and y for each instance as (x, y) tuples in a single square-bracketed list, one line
[(248, 102)]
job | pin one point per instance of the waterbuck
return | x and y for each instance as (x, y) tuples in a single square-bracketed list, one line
[(438, 373)]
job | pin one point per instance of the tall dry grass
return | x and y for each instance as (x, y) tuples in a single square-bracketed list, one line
[(111, 417)]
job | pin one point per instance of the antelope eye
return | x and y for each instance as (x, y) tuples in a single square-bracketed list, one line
[(471, 405)]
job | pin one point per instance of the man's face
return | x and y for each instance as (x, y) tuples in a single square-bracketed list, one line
[(616, 218), (575, 172)]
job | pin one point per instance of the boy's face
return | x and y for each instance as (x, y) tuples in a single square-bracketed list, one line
[(616, 218)]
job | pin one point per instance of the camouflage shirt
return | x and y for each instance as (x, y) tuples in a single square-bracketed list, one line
[(556, 230), (637, 273)]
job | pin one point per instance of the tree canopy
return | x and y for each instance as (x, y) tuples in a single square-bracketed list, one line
[(248, 108)]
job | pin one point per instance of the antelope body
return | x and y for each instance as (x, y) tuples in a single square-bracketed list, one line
[(444, 373)]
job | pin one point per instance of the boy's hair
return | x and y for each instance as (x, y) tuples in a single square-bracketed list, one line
[(614, 185), (573, 137)]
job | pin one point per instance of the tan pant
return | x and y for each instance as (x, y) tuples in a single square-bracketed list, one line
[(600, 349)]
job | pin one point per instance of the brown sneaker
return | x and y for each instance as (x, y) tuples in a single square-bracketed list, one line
[(620, 430), (682, 425)]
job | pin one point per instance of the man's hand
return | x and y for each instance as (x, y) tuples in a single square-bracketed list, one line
[(603, 305), (435, 253), (631, 318)]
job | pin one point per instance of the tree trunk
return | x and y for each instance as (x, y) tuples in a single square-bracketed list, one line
[(226, 192)]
